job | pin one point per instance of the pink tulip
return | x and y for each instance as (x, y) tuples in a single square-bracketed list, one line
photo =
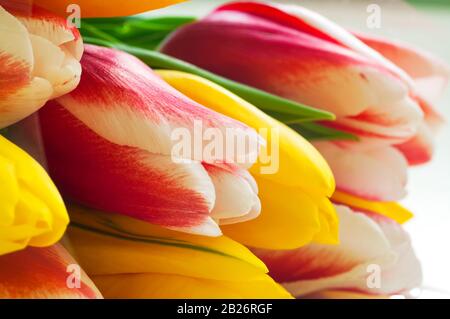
[(39, 59), (374, 256), (108, 146), (382, 96), (44, 273)]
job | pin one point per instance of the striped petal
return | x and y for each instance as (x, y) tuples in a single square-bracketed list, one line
[(129, 258), (372, 173), (429, 73), (39, 58), (43, 273), (365, 241), (121, 122), (123, 179), (419, 149), (301, 56), (121, 99)]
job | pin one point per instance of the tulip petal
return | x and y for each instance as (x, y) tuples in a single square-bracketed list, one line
[(169, 286), (150, 112), (38, 60), (42, 273), (289, 218), (391, 210), (131, 259), (301, 174), (376, 173), (108, 244), (31, 210), (419, 149), (430, 74), (97, 8), (131, 181), (300, 58), (235, 197), (365, 240)]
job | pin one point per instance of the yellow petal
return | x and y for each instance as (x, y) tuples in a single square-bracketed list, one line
[(181, 287), (128, 258), (301, 165), (114, 244), (283, 223), (389, 209), (31, 210), (98, 8), (293, 196)]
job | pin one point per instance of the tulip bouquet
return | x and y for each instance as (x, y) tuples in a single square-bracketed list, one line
[(143, 185)]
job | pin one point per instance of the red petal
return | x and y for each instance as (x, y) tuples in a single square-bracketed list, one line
[(41, 273)]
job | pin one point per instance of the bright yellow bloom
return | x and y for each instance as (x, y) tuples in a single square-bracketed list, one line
[(389, 209), (31, 210), (295, 205), (128, 258), (112, 8)]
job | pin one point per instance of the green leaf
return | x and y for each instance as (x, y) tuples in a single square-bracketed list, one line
[(317, 132), (141, 32)]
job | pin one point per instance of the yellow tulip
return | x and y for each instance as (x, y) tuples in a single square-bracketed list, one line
[(31, 210), (112, 8), (128, 258), (389, 209), (295, 205)]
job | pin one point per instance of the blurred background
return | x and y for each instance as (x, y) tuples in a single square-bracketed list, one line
[(424, 23)]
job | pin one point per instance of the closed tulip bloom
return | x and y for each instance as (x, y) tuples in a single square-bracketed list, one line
[(32, 212), (374, 257), (109, 146), (38, 273), (294, 194), (380, 96), (39, 59), (128, 258)]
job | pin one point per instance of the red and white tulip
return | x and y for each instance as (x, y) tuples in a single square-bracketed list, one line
[(44, 273), (374, 256), (108, 146), (379, 90), (39, 59)]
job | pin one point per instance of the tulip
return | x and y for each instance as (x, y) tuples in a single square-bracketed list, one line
[(294, 197), (32, 212), (39, 60), (37, 273), (128, 258), (430, 76), (374, 257), (109, 145), (299, 55), (97, 8)]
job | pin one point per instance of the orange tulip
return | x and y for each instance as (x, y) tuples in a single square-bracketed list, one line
[(97, 8)]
